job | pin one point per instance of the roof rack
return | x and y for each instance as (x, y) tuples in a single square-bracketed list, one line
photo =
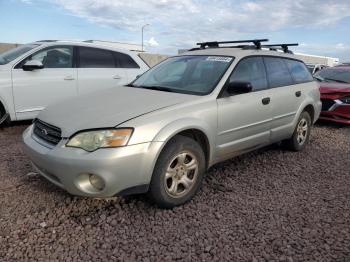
[(215, 44), (283, 47)]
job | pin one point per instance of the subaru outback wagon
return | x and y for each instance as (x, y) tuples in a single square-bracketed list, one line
[(161, 133)]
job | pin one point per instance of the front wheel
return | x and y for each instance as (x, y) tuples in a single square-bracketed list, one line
[(4, 117), (301, 133), (178, 172)]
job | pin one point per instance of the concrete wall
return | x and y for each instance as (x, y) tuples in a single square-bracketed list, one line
[(152, 59), (6, 46), (313, 59), (133, 47)]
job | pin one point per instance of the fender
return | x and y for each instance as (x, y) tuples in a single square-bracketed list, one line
[(173, 128), (305, 103), (6, 93)]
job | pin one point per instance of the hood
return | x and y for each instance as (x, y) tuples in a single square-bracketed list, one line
[(108, 108), (327, 87)]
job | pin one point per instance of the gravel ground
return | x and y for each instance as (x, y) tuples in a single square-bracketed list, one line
[(270, 205)]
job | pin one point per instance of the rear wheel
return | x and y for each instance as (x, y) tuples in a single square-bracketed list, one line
[(301, 133), (178, 172)]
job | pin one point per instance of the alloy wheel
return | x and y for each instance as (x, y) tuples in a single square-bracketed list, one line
[(302, 131), (181, 174)]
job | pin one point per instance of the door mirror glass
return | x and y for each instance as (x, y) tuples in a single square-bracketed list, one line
[(237, 87), (32, 65)]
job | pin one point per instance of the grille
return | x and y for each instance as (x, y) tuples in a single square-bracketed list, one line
[(326, 104), (46, 132)]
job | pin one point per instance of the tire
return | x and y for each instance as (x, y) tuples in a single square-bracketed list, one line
[(178, 172), (301, 134), (2, 114)]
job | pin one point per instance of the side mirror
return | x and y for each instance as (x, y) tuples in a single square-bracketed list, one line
[(239, 87), (32, 65)]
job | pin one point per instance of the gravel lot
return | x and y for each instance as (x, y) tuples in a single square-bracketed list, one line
[(270, 205)]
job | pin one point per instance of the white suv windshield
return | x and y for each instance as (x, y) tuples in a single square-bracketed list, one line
[(12, 54), (186, 74)]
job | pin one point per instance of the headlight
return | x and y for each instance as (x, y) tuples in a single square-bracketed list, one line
[(92, 140), (345, 100)]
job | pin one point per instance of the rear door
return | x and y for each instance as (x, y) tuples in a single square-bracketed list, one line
[(131, 68), (34, 90), (287, 79), (98, 70), (244, 120)]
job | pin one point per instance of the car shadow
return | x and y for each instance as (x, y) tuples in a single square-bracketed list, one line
[(328, 124)]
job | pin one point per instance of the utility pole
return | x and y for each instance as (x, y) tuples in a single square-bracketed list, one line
[(142, 29)]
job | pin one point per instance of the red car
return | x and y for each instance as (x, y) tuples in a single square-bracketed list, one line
[(335, 93)]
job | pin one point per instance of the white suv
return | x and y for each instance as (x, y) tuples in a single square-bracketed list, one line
[(35, 75)]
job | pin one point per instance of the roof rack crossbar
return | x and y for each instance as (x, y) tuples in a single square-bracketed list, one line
[(284, 47), (256, 42)]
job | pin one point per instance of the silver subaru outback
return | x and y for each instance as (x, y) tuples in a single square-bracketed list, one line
[(161, 133)]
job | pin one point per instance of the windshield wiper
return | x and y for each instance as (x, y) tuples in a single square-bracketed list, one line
[(158, 88), (336, 80), (318, 78)]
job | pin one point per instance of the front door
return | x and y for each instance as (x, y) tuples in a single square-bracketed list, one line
[(34, 90), (244, 120)]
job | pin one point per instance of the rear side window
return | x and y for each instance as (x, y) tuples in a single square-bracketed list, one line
[(277, 72), (124, 61), (299, 71), (251, 70), (95, 58)]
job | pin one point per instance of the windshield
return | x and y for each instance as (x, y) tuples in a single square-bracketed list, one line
[(12, 54), (185, 74), (337, 75), (310, 68)]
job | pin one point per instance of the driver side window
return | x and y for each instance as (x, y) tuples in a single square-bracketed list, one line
[(52, 57), (251, 70)]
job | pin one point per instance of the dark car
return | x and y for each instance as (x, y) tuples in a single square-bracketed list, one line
[(335, 93)]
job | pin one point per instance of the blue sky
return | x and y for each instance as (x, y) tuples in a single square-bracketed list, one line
[(321, 27)]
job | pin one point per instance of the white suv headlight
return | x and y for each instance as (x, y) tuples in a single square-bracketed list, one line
[(92, 140)]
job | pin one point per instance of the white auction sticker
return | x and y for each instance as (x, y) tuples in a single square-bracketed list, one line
[(223, 59)]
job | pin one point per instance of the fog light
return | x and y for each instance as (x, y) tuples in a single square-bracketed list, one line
[(96, 182)]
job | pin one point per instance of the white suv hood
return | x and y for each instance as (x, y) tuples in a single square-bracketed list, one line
[(107, 108)]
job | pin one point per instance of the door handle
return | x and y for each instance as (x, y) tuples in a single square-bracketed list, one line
[(116, 77), (266, 100), (298, 93), (69, 78)]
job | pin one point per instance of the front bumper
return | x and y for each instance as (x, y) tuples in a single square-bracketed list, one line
[(120, 168), (335, 111)]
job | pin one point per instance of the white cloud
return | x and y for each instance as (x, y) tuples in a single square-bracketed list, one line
[(190, 15), (181, 23), (26, 1), (152, 42)]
